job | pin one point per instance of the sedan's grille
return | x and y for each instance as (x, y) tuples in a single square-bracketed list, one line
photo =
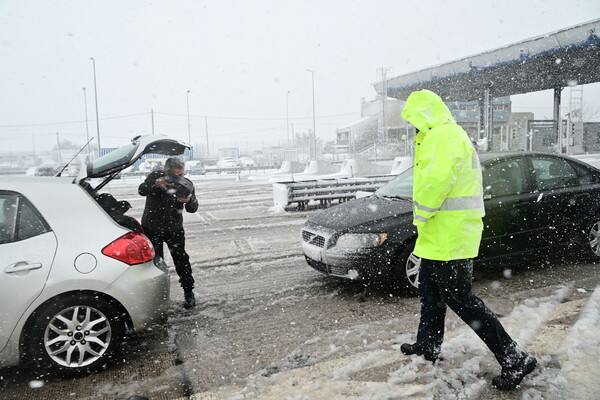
[(319, 241), (313, 238)]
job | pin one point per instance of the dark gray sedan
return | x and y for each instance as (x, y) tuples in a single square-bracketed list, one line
[(534, 202)]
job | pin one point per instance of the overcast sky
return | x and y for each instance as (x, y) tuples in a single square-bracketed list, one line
[(238, 59)]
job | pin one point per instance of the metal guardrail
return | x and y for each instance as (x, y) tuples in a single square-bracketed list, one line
[(324, 191), (12, 171), (233, 170)]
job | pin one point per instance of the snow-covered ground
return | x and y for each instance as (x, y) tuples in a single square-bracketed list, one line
[(464, 374)]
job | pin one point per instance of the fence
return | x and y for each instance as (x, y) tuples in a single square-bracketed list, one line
[(324, 191)]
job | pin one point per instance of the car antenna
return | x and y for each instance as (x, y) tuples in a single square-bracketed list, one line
[(76, 154)]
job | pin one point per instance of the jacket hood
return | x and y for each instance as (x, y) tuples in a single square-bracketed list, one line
[(425, 110)]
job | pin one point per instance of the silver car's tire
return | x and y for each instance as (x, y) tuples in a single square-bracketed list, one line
[(76, 335)]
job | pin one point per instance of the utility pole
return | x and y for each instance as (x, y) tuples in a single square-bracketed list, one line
[(287, 117), (58, 147), (293, 136), (188, 117), (152, 119), (206, 126), (384, 71), (96, 96), (87, 129), (313, 107)]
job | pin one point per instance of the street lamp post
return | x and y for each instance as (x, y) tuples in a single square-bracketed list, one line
[(206, 129), (96, 97), (188, 118), (312, 73), (87, 129), (287, 117)]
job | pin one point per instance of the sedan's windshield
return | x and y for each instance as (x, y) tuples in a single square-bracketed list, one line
[(399, 187)]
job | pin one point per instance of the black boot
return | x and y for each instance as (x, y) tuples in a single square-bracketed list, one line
[(511, 377), (410, 349), (189, 299)]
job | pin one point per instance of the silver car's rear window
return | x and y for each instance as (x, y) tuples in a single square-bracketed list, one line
[(113, 160)]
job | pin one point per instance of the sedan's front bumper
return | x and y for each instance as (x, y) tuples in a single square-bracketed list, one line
[(363, 263), (144, 291)]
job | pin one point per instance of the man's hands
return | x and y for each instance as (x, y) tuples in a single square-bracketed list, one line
[(161, 183)]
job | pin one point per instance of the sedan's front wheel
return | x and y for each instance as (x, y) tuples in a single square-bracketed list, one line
[(593, 240), (75, 335), (408, 268)]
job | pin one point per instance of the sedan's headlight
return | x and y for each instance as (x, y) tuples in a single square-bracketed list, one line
[(360, 240)]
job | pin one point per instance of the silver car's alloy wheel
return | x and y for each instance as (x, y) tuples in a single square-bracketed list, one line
[(413, 264), (77, 336), (594, 238)]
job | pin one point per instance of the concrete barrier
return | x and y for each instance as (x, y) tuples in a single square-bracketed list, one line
[(324, 191)]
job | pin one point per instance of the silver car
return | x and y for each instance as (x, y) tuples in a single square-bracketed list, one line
[(76, 272)]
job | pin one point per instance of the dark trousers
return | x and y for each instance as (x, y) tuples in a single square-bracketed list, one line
[(175, 240), (449, 283)]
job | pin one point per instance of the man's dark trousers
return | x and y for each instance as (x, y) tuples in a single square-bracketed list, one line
[(175, 240), (449, 283)]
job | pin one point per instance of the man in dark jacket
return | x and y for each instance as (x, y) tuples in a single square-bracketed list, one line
[(167, 194)]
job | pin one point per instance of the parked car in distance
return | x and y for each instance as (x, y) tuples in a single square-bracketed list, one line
[(43, 170), (76, 271), (228, 162), (246, 162), (195, 167), (534, 203)]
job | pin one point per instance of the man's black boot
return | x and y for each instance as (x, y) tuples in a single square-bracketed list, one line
[(410, 349), (511, 377), (189, 299)]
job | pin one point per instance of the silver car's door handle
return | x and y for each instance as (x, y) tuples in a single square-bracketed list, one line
[(22, 266)]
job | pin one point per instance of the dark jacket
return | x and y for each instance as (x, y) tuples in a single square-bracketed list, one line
[(162, 211)]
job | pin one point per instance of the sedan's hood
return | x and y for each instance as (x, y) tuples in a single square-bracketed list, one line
[(367, 210)]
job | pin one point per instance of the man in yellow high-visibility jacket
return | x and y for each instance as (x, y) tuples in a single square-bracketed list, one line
[(448, 211)]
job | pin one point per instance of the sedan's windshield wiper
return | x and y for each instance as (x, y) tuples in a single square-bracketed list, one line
[(397, 197)]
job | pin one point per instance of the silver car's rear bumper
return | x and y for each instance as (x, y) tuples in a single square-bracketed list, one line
[(144, 292)]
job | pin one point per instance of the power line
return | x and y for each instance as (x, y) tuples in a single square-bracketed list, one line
[(175, 114), (255, 118), (70, 122), (245, 132)]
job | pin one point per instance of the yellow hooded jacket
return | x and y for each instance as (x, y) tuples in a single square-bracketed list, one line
[(447, 191)]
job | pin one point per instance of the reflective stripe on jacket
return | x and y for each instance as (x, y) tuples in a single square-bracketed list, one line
[(447, 191)]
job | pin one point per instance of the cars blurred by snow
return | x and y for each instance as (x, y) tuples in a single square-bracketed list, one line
[(195, 167), (246, 162), (228, 162), (43, 170)]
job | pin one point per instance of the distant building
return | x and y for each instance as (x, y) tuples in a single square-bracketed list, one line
[(591, 137), (518, 126), (380, 122), (511, 131), (346, 136), (542, 136), (466, 114)]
